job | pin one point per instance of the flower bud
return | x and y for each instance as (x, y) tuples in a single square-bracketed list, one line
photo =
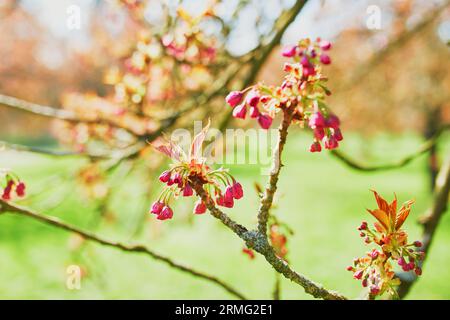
[(238, 192), (364, 283), (157, 207), (240, 111), (305, 62), (315, 147), (309, 71), (289, 52), (418, 271), (374, 254), (187, 190), (418, 244), (253, 99), (254, 112), (7, 191), (325, 59), (374, 290), (165, 176), (358, 274), (264, 121), (20, 189), (234, 98), (333, 122), (325, 45), (166, 213), (363, 226), (316, 120), (200, 207), (319, 133), (331, 143), (338, 135)]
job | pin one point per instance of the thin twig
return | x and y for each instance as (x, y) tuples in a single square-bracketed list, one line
[(396, 43), (424, 148), (6, 207), (258, 242)]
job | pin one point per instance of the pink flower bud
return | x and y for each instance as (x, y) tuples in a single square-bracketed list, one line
[(220, 201), (238, 192), (254, 112), (264, 121), (374, 254), (325, 59), (20, 189), (333, 122), (166, 213), (325, 45), (309, 71), (228, 193), (228, 203), (7, 191), (338, 135), (411, 265), (289, 52), (418, 271), (331, 143), (187, 190), (200, 207), (418, 244), (401, 262), (319, 133), (157, 207), (316, 120), (358, 274), (177, 178), (350, 268), (234, 98), (305, 62), (315, 147), (170, 182), (253, 99), (363, 226), (165, 176), (364, 283), (265, 99), (240, 111), (374, 290)]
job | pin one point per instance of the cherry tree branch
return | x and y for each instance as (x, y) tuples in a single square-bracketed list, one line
[(6, 207), (424, 148), (396, 43), (257, 239), (430, 221)]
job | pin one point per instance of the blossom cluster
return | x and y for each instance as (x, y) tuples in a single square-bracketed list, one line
[(303, 91), (375, 269), (187, 170), (10, 184), (159, 72)]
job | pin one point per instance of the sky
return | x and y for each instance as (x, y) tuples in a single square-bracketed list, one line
[(314, 20)]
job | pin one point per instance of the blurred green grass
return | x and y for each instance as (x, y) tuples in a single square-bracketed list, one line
[(320, 198)]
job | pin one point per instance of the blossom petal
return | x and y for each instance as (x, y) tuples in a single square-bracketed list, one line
[(196, 146)]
